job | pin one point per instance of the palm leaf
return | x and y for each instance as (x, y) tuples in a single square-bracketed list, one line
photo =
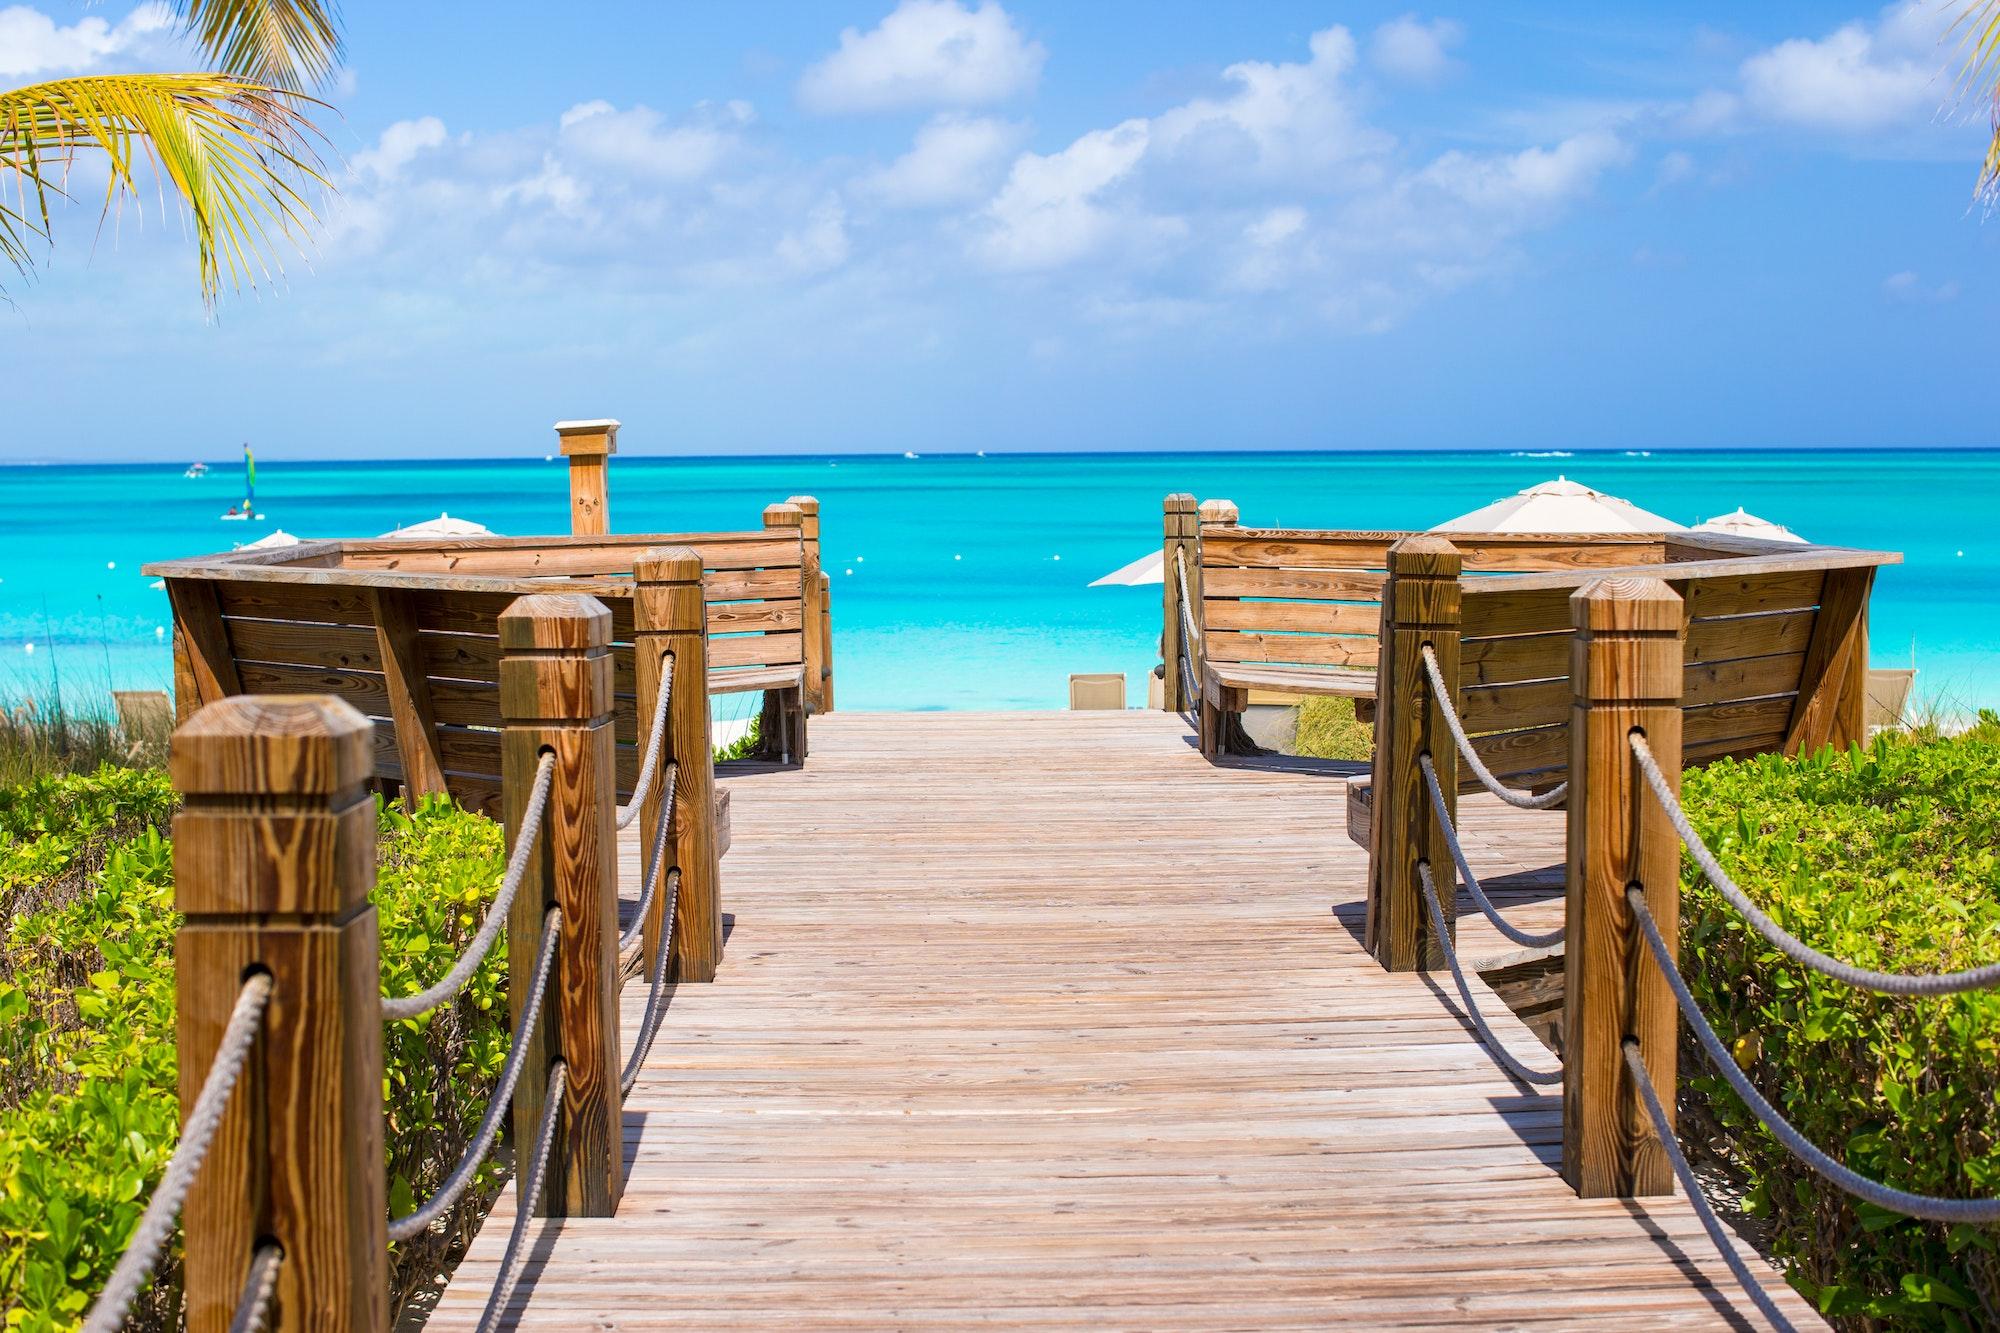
[(1979, 38), (286, 44), (236, 154)]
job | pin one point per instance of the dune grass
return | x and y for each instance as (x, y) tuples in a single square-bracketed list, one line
[(1328, 730)]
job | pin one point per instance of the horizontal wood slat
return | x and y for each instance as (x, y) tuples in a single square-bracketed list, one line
[(1322, 649), (1354, 585), (1302, 617)]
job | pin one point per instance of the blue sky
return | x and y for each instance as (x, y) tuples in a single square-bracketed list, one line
[(939, 225)]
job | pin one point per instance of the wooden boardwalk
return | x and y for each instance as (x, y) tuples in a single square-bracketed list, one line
[(1039, 1020)]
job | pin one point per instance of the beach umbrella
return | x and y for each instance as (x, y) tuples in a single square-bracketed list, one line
[(1561, 505), (278, 537), (1148, 568), (444, 525), (1742, 523)]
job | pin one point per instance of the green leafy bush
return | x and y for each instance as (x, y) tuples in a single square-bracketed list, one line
[(1888, 857), (89, 1114)]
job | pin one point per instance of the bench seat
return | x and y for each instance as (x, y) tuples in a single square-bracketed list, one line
[(1344, 682), (731, 680)]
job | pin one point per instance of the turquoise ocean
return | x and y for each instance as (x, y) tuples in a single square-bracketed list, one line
[(960, 581)]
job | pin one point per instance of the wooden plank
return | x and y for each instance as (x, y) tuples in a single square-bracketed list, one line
[(1741, 594), (409, 692), (342, 647), (205, 661), (483, 557), (1296, 680), (1542, 702), (1524, 657), (756, 650), (1305, 617), (750, 584), (1493, 608), (1354, 585), (1833, 678), (1326, 649), (1748, 636)]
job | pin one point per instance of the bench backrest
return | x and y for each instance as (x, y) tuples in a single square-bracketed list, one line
[(382, 623)]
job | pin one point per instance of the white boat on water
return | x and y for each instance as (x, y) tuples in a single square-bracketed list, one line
[(196, 470)]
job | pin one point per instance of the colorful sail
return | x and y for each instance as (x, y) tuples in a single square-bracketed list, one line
[(249, 475)]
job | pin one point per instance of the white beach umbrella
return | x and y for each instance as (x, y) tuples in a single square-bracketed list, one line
[(444, 525), (1742, 523), (1560, 506), (279, 537), (1148, 568)]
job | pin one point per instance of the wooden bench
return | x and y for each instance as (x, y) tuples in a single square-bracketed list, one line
[(407, 632), (1775, 653)]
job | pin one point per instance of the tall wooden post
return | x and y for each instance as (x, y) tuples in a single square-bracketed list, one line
[(1625, 675), (813, 611), (1420, 606), (1217, 514), (555, 696), (781, 726), (669, 625), (1220, 721), (274, 857), (588, 445), (1832, 703), (826, 640), (1179, 524)]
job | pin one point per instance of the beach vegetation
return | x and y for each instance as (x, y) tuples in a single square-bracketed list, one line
[(1886, 855), (89, 1111), (1328, 730), (236, 147), (1980, 25)]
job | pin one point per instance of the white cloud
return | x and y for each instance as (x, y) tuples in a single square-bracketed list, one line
[(1409, 49), (1050, 211), (820, 243), (1675, 168), (398, 146), (31, 43), (956, 159), (925, 53), (1530, 182), (1862, 78), (641, 142), (1909, 289)]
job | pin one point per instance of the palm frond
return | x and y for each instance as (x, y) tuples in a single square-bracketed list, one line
[(1979, 37), (293, 45), (236, 154)]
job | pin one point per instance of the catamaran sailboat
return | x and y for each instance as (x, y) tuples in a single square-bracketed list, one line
[(249, 506)]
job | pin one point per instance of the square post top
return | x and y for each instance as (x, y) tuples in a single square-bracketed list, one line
[(587, 438)]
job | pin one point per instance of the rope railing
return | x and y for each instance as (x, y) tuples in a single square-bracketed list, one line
[(1526, 938), (649, 1021), (1663, 1129), (1190, 683), (1930, 1208), (447, 1194), (655, 742), (527, 1197), (1519, 799), (1861, 978), (467, 964), (1508, 1061), (260, 1284), (156, 1223), (656, 856)]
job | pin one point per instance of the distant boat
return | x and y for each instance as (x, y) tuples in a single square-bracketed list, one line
[(196, 470), (908, 454), (248, 510)]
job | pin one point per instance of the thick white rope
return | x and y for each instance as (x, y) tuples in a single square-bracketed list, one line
[(631, 934), (1519, 799), (260, 1284), (1635, 1063), (1794, 948), (651, 761), (1500, 923), (1190, 684), (157, 1222), (1525, 1073), (526, 1195), (441, 1202), (649, 1024), (1929, 1207), (412, 1006)]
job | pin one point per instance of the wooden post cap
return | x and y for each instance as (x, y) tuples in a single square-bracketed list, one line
[(584, 438), (273, 745), (1217, 511), (1180, 502), (1637, 605), (806, 503), (1421, 554), (667, 564), (784, 516), (547, 621)]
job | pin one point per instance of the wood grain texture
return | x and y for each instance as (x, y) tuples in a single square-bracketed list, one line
[(1133, 1072), (813, 613), (555, 696), (274, 857), (205, 664), (1178, 548), (1833, 680), (1627, 678)]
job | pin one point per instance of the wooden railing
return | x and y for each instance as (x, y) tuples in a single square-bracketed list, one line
[(274, 863)]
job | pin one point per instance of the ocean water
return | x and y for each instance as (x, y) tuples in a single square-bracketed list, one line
[(960, 581)]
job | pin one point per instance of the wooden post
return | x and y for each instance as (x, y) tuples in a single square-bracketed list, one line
[(204, 666), (588, 445), (555, 695), (1625, 675), (1217, 514), (781, 727), (1179, 539), (826, 640), (1832, 703), (813, 609), (274, 857), (1420, 605), (1220, 721), (668, 623), (409, 692)]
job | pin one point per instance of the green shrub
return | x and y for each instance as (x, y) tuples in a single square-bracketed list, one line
[(1327, 730), (89, 1114), (1887, 857)]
